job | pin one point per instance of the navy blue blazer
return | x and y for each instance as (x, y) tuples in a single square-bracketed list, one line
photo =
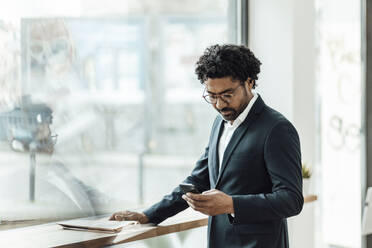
[(261, 170)]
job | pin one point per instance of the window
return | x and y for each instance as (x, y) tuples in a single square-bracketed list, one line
[(340, 121), (100, 107)]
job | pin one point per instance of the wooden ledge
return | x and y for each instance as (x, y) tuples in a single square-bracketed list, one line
[(310, 198), (52, 235), (185, 220)]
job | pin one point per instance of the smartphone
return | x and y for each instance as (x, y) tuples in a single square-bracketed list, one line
[(188, 187)]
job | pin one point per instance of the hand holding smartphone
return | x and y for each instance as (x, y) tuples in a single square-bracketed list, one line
[(188, 187)]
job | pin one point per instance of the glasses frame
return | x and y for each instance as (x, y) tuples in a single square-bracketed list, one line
[(226, 97)]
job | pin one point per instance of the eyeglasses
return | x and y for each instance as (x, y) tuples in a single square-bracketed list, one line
[(212, 98)]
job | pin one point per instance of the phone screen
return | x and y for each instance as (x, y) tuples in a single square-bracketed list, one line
[(188, 187)]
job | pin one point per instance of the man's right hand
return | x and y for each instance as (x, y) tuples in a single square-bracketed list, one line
[(129, 215)]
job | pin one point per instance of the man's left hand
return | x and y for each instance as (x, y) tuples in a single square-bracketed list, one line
[(212, 202)]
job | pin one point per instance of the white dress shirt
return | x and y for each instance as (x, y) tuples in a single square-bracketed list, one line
[(229, 129)]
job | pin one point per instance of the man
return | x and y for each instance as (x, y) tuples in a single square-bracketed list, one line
[(250, 173)]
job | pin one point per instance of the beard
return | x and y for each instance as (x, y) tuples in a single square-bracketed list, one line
[(229, 114)]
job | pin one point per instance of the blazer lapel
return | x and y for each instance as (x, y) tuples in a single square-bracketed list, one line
[(216, 161), (239, 133)]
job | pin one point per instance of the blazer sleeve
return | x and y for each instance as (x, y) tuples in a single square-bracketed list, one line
[(173, 203), (282, 156)]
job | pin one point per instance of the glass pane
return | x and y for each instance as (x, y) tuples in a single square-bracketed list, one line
[(339, 75), (100, 107)]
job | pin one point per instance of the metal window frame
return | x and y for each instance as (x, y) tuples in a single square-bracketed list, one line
[(242, 21), (366, 103), (244, 8)]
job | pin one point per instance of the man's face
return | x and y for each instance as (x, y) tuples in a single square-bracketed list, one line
[(238, 96)]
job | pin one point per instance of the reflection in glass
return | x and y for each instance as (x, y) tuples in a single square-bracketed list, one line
[(122, 97)]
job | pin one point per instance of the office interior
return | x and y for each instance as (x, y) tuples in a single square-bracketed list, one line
[(100, 109)]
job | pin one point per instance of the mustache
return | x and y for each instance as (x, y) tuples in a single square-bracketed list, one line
[(226, 109)]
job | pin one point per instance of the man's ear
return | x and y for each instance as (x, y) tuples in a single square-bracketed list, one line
[(249, 83)]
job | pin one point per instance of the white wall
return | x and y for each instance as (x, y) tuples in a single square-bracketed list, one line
[(304, 87), (270, 38), (282, 36)]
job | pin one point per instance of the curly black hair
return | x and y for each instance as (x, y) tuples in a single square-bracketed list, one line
[(235, 61)]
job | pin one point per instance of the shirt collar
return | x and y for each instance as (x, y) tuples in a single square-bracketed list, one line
[(245, 112)]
